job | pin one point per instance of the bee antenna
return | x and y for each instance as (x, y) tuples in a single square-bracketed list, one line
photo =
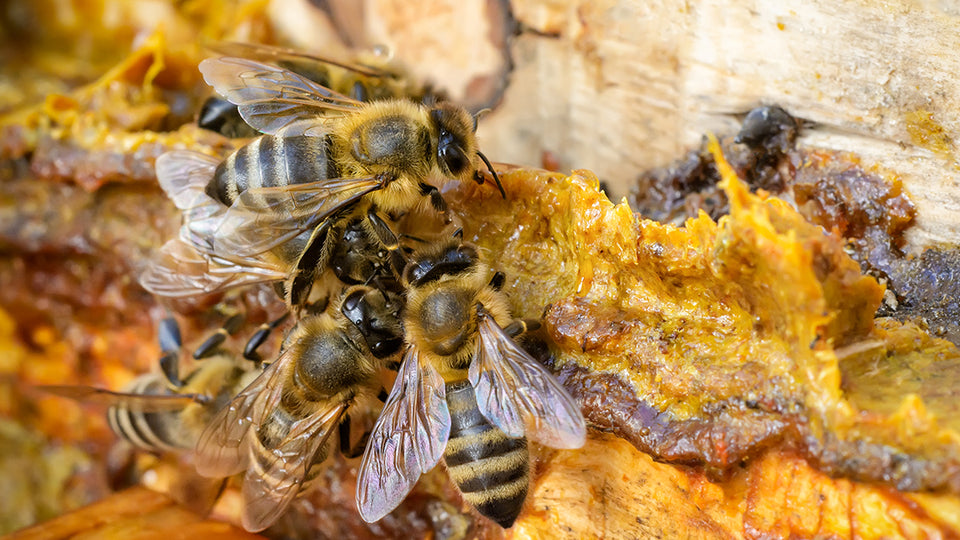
[(494, 173), (412, 237), (458, 233), (476, 117)]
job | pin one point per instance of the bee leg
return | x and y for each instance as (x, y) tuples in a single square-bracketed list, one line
[(259, 337), (385, 235), (414, 238), (168, 334), (436, 199), (351, 451), (318, 307), (210, 346), (497, 281), (360, 92), (397, 261), (520, 326), (313, 260)]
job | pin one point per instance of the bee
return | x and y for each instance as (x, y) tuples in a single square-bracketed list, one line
[(190, 264), (366, 79), (324, 160), (277, 430), (465, 391), (159, 411)]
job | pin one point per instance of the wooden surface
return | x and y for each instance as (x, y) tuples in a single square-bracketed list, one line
[(608, 489), (621, 86), (134, 514)]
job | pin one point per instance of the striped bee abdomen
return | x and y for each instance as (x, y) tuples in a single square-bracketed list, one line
[(491, 469), (152, 431), (272, 161), (263, 453)]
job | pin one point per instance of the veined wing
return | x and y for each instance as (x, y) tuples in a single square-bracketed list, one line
[(270, 97), (270, 487), (178, 271), (137, 402), (222, 447), (408, 439), (299, 62), (520, 396), (183, 175), (263, 218)]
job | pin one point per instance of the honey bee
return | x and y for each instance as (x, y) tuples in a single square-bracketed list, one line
[(278, 429), (465, 391), (324, 160), (191, 265), (159, 411), (368, 78)]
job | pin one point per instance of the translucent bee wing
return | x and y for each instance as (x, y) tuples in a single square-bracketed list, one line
[(408, 439), (291, 59), (270, 97), (136, 402), (178, 271), (263, 218), (520, 396), (222, 449), (183, 175), (269, 488)]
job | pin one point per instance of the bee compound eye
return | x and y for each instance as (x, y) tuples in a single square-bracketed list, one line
[(352, 306), (454, 159)]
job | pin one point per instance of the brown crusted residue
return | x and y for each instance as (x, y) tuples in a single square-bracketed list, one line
[(869, 209), (759, 154), (833, 190), (712, 341)]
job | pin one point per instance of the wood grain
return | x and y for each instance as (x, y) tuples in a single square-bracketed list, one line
[(621, 86)]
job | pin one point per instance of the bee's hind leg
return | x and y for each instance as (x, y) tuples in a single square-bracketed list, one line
[(259, 337), (168, 334), (383, 232), (209, 347), (351, 451)]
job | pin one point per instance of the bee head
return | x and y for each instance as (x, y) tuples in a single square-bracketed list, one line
[(457, 144), (376, 315), (450, 261)]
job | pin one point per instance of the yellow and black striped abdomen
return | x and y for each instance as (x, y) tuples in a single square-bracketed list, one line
[(268, 438), (160, 431), (491, 469), (272, 161)]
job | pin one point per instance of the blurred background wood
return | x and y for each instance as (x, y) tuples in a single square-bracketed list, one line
[(134, 514)]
